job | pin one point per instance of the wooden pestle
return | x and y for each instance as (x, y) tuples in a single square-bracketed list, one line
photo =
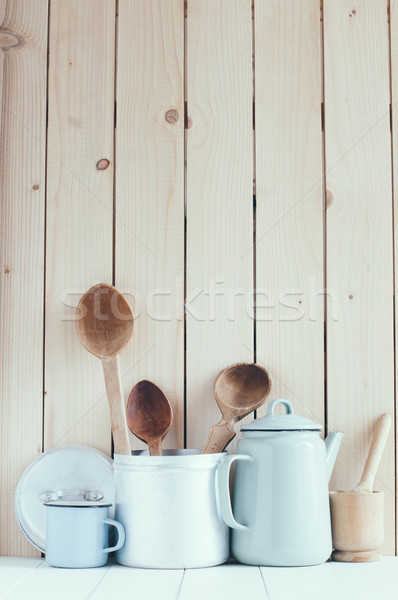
[(358, 516), (374, 456)]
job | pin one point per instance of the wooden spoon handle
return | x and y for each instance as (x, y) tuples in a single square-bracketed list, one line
[(375, 453), (116, 405), (219, 437), (155, 447)]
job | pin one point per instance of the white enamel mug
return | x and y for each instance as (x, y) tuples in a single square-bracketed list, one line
[(77, 534), (170, 511)]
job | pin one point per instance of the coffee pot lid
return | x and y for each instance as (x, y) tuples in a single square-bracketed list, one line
[(287, 422)]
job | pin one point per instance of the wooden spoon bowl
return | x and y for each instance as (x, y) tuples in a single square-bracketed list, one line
[(149, 415), (105, 321), (242, 386), (104, 324)]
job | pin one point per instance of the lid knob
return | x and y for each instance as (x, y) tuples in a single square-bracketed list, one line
[(70, 495), (286, 403)]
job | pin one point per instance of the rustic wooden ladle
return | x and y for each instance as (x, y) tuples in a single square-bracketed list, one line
[(149, 415), (238, 389), (105, 325)]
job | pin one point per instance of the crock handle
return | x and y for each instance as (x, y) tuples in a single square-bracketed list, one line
[(222, 486)]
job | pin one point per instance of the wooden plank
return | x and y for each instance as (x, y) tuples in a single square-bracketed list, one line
[(14, 570), (46, 582), (227, 581), (79, 213), (289, 202), (150, 584), (150, 196), (394, 111), (23, 69), (336, 580), (340, 580), (219, 154), (360, 353)]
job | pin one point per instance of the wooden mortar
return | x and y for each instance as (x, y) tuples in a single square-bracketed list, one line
[(358, 516), (357, 526)]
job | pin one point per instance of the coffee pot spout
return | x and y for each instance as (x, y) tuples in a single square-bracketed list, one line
[(332, 442)]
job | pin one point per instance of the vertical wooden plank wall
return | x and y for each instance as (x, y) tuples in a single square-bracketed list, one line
[(79, 213), (124, 221), (359, 270), (289, 199), (149, 264), (394, 122), (219, 154), (23, 72)]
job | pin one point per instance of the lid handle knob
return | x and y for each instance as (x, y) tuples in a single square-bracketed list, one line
[(70, 495), (286, 403)]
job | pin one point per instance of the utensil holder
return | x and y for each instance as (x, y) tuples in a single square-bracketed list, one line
[(169, 508)]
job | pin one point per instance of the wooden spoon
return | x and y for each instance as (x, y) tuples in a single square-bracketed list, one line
[(373, 459), (105, 325), (149, 415), (238, 389)]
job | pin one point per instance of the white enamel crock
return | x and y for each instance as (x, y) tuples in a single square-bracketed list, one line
[(169, 508)]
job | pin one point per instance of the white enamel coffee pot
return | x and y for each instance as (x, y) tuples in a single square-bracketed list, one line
[(281, 513)]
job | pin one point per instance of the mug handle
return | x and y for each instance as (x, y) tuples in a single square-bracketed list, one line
[(121, 535), (222, 482)]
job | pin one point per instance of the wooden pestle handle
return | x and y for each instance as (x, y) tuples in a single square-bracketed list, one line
[(375, 453), (116, 405), (220, 435)]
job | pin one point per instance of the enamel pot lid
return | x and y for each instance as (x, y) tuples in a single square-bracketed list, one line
[(78, 503), (287, 422), (70, 474)]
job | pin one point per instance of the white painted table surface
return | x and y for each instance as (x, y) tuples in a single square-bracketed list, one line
[(31, 578)]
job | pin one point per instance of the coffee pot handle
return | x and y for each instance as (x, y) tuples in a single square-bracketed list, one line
[(222, 483)]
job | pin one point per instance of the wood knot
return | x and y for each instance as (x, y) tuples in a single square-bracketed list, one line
[(36, 186), (102, 164), (7, 270), (7, 40), (329, 199), (171, 116), (75, 121)]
